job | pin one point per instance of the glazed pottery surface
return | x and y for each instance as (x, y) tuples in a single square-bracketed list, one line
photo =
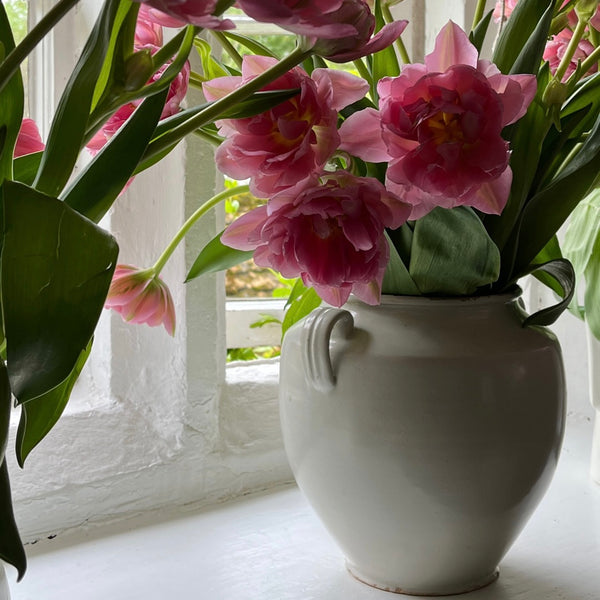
[(594, 387), (423, 432)]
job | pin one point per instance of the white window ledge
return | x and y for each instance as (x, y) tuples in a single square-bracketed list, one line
[(272, 547)]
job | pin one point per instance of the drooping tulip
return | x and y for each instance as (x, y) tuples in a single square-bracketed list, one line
[(29, 139), (194, 12), (140, 296)]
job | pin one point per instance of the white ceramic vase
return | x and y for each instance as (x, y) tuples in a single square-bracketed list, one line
[(4, 590), (424, 432)]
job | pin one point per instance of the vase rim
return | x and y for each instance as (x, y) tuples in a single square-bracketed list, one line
[(465, 301)]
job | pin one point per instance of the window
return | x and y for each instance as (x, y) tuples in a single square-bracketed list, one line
[(159, 421)]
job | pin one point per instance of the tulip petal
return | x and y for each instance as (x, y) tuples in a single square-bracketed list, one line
[(361, 136), (452, 47)]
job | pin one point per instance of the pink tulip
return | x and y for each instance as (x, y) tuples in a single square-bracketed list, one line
[(294, 139), (148, 32), (194, 12), (509, 6), (439, 127), (139, 296), (175, 96), (339, 30), (329, 232), (556, 48), (29, 139)]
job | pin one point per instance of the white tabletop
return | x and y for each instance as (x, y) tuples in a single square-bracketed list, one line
[(272, 547)]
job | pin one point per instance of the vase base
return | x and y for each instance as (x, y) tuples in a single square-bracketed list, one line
[(476, 585)]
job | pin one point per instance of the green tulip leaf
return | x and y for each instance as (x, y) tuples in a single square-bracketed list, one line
[(11, 547), (562, 271), (93, 193), (69, 126), (25, 167), (215, 256), (452, 254), (56, 270), (517, 32), (38, 416), (11, 107), (478, 35), (397, 279), (250, 44), (301, 302)]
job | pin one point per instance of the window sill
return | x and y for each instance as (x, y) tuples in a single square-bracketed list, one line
[(272, 547)]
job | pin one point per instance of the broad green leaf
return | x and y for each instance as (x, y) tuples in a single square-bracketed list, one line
[(93, 193), (70, 121), (385, 62), (215, 256), (478, 35), (585, 97), (545, 213), (56, 271), (302, 301), (397, 279), (517, 32), (11, 547), (11, 106), (526, 138), (38, 416), (452, 253), (561, 270), (592, 290), (530, 56), (25, 167), (551, 251)]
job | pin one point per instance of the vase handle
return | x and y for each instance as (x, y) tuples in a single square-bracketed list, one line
[(316, 335)]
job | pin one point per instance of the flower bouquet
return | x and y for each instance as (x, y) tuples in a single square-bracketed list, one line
[(448, 178)]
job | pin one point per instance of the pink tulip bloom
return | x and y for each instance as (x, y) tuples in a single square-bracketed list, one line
[(329, 232), (194, 12), (339, 30), (29, 139), (294, 139), (175, 97), (509, 6), (147, 31), (439, 127), (556, 48), (139, 296)]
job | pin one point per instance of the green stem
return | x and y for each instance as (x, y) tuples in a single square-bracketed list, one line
[(362, 69), (570, 52), (217, 108), (32, 39), (400, 47), (479, 10), (228, 47), (229, 193)]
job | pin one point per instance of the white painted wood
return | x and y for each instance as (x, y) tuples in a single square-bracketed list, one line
[(271, 547)]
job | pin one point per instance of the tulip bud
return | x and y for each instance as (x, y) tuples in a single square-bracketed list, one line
[(586, 9), (139, 67)]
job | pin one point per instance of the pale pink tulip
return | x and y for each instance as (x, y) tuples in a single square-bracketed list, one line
[(499, 11), (175, 96), (29, 139), (329, 232), (139, 296), (194, 12), (556, 48), (339, 30), (439, 127), (147, 31), (294, 139)]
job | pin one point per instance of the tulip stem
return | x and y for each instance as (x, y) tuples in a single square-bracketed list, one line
[(32, 39), (400, 47), (202, 210), (479, 10), (228, 47), (217, 108), (570, 52)]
